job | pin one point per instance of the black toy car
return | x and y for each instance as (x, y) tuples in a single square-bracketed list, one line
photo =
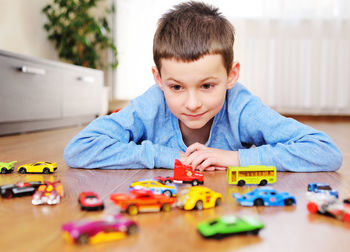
[(19, 189)]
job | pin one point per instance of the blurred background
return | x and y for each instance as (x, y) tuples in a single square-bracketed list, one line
[(294, 54)]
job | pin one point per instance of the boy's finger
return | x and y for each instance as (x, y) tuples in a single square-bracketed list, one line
[(211, 168), (220, 168), (192, 148)]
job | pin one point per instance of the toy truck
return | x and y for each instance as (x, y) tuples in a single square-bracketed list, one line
[(183, 174)]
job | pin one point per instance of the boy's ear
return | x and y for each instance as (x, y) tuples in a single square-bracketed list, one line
[(156, 76), (233, 75)]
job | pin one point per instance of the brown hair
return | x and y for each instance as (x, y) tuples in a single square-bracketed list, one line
[(192, 30)]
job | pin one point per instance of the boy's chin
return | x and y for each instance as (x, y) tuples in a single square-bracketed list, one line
[(194, 125)]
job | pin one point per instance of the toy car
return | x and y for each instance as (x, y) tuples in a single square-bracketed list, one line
[(322, 188), (48, 193), (183, 174), (7, 167), (95, 231), (252, 174), (142, 201), (198, 197), (38, 167), (229, 225), (266, 196), (155, 186), (19, 189), (90, 201), (329, 206)]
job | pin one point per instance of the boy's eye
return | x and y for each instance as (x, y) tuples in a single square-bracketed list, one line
[(176, 87), (207, 86)]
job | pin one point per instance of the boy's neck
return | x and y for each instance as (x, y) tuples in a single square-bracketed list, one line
[(191, 136)]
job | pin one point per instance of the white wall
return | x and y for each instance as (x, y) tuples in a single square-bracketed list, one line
[(21, 28), (266, 31)]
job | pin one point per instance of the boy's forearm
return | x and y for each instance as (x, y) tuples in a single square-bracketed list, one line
[(304, 156), (108, 154)]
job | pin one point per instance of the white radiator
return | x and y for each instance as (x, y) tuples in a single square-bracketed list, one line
[(296, 67)]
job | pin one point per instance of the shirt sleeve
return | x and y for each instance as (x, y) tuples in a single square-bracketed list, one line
[(284, 142), (118, 141)]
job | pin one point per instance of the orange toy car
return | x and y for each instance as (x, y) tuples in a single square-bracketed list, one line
[(142, 201), (49, 193)]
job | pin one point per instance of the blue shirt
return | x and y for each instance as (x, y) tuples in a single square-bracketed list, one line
[(145, 134)]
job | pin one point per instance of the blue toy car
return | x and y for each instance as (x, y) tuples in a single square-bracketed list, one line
[(322, 188), (266, 196)]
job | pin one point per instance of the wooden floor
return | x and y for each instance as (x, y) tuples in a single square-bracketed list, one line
[(24, 227)]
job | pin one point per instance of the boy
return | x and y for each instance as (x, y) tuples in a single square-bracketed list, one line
[(198, 112)]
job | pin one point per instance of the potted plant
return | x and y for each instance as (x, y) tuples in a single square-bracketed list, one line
[(79, 36)]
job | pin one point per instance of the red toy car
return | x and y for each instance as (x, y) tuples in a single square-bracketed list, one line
[(90, 201), (183, 174), (142, 201)]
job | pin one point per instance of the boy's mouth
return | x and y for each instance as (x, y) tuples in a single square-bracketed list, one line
[(194, 116)]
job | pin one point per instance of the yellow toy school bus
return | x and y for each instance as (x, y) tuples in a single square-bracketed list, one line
[(253, 174)]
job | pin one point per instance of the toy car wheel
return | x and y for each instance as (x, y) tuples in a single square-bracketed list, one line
[(132, 210), (46, 170), (195, 182), (22, 170), (241, 183), (263, 182), (167, 193), (218, 202), (312, 207), (254, 232), (132, 229), (8, 194), (166, 207), (3, 170), (258, 202), (217, 236), (83, 239), (199, 205), (288, 202)]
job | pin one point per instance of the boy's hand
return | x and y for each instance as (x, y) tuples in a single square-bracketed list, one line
[(201, 157), (182, 156)]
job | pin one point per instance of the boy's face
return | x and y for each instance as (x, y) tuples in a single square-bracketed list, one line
[(195, 91)]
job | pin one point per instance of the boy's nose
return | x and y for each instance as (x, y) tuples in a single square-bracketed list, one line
[(193, 102)]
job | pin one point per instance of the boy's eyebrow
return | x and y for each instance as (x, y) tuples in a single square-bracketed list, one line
[(172, 79), (200, 81)]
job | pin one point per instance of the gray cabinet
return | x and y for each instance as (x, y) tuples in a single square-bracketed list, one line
[(40, 94)]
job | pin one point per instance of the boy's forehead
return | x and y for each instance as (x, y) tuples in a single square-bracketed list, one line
[(211, 64)]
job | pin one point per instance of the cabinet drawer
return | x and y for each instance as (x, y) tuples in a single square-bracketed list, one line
[(28, 90), (82, 93)]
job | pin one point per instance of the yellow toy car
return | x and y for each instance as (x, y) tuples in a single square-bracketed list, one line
[(155, 186), (198, 197), (38, 167)]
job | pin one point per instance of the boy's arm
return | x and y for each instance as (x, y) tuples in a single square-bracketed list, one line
[(284, 142), (116, 142)]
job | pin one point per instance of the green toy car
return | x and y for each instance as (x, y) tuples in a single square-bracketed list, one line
[(6, 167), (229, 225)]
